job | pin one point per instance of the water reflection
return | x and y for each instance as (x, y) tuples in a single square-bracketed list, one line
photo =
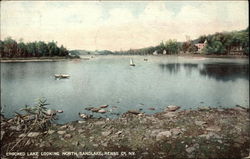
[(225, 71), (217, 71), (172, 68)]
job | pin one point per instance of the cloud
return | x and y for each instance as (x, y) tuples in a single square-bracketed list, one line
[(97, 25)]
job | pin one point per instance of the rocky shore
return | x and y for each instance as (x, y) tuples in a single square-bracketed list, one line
[(201, 133)]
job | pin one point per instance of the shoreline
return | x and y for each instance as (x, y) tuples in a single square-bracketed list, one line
[(36, 59), (53, 59), (202, 133)]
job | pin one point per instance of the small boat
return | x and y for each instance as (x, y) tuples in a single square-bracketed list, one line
[(145, 59), (62, 76), (131, 63)]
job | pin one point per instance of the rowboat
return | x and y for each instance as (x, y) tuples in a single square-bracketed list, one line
[(62, 76)]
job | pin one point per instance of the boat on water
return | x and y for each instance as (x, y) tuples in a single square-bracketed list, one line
[(62, 76), (132, 62)]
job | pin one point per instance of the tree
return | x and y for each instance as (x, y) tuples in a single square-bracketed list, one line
[(172, 47), (215, 47), (10, 47)]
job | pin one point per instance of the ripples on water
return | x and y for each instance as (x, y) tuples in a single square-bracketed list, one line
[(158, 82)]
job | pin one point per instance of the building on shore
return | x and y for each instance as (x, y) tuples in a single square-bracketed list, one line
[(201, 46)]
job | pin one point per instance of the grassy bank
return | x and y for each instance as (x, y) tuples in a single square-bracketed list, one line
[(202, 133)]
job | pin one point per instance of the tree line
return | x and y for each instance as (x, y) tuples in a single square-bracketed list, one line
[(10, 48), (226, 42), (218, 43)]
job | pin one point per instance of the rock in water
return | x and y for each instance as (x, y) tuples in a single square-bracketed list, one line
[(102, 111), (51, 112), (151, 108), (89, 108), (172, 108), (104, 106), (84, 116), (136, 112), (95, 109), (59, 111)]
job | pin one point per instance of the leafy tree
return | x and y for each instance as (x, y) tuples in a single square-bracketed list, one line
[(215, 47), (172, 47)]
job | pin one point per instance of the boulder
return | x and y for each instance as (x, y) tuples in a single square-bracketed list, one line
[(170, 114), (203, 108), (172, 108), (67, 136), (106, 133), (2, 134), (213, 128), (61, 132), (99, 123), (15, 128), (105, 144), (118, 133), (190, 149), (33, 134), (81, 121), (22, 135), (175, 131), (95, 145), (210, 135), (64, 127), (163, 135), (80, 131), (200, 123)]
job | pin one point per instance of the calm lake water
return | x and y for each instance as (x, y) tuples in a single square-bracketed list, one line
[(189, 82)]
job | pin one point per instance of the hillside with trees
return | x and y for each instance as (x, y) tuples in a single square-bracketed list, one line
[(10, 48), (224, 43)]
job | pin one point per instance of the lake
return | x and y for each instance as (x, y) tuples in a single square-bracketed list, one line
[(189, 82)]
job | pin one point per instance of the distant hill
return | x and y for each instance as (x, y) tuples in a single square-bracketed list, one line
[(86, 52)]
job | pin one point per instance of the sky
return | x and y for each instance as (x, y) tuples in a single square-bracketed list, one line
[(117, 25)]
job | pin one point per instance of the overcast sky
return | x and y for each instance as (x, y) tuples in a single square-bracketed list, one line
[(115, 25)]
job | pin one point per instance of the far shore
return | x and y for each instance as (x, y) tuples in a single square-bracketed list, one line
[(37, 59), (57, 58)]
